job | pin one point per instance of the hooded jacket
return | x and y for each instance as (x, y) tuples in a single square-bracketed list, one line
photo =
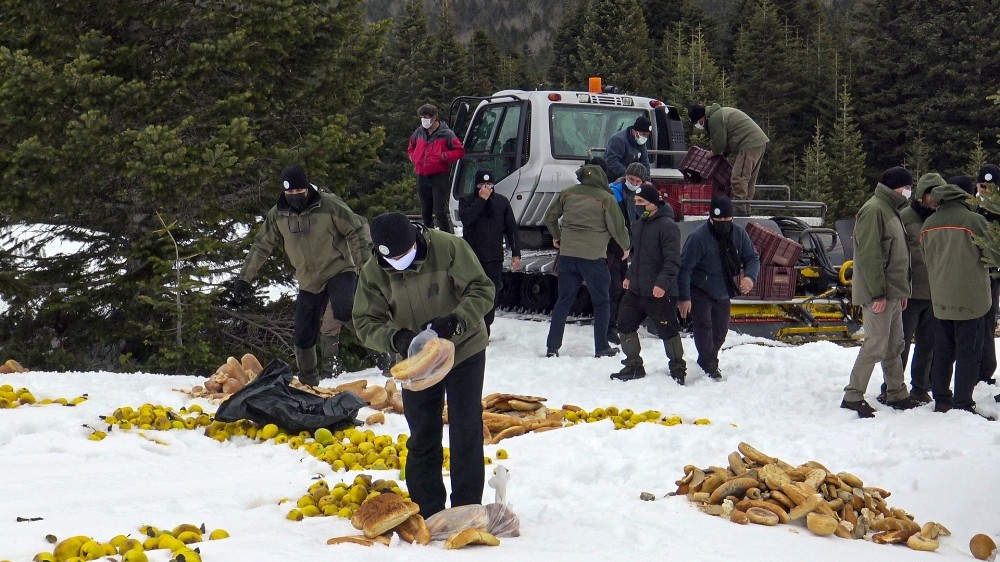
[(586, 216), (656, 254), (444, 278), (960, 284), (913, 217), (622, 150), (881, 255), (730, 130), (485, 224), (433, 153), (323, 240)]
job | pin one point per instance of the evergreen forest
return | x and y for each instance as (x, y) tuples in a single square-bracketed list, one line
[(147, 136)]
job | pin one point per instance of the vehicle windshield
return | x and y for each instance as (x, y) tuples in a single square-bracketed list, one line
[(576, 129)]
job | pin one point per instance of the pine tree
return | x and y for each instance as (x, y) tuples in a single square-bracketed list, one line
[(977, 159), (918, 155), (847, 163), (695, 76), (151, 135), (814, 182), (483, 62), (563, 69), (447, 57), (615, 45)]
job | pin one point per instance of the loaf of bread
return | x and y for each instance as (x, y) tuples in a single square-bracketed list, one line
[(435, 360)]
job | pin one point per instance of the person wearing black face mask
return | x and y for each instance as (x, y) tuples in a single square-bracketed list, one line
[(718, 262), (326, 243)]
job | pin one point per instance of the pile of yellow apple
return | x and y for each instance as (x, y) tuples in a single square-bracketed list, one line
[(13, 398), (177, 541)]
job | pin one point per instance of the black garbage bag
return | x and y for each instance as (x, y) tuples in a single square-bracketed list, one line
[(270, 399)]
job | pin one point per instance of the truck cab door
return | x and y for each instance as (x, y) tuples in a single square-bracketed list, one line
[(497, 141)]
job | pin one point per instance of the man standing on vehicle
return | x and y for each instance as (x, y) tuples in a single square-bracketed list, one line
[(581, 221), (734, 135), (628, 146), (433, 149), (881, 286), (651, 286), (326, 243), (718, 262), (486, 220)]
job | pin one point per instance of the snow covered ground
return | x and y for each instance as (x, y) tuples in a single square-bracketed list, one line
[(576, 490)]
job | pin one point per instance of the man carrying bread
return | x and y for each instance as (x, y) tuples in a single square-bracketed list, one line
[(421, 278)]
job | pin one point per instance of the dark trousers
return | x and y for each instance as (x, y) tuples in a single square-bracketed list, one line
[(988, 364), (432, 191), (663, 311), (919, 326), (958, 344), (423, 410), (617, 267), (710, 324), (494, 270), (573, 272), (309, 307)]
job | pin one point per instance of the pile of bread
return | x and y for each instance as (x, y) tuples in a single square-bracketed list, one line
[(388, 513), (230, 377), (384, 398), (758, 488), (11, 366), (510, 415)]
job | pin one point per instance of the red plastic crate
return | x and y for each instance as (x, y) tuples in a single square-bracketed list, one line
[(774, 249), (675, 193), (774, 282), (698, 166)]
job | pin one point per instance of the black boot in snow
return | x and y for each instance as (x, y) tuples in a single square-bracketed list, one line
[(630, 373)]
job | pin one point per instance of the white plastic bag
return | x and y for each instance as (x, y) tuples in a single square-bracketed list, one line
[(429, 359), (498, 520)]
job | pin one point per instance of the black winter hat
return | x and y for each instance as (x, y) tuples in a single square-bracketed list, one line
[(695, 112), (392, 234), (965, 182), (642, 124), (989, 173), (896, 177), (484, 176), (294, 177), (649, 192), (721, 207)]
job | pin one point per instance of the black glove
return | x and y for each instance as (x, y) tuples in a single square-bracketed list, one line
[(447, 326), (401, 341), (241, 291)]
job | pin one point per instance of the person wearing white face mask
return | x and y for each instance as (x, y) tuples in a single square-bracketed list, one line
[(432, 149), (624, 189), (735, 136), (881, 286), (628, 146), (421, 278)]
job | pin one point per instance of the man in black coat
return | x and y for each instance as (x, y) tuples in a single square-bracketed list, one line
[(651, 286), (486, 220)]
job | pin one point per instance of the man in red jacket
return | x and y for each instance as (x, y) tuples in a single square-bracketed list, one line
[(433, 149)]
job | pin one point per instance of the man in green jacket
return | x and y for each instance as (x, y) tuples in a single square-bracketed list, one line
[(918, 317), (326, 243), (737, 137), (960, 295), (420, 278), (881, 286), (582, 220)]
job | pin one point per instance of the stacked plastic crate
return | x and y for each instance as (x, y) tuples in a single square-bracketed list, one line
[(778, 256), (698, 166)]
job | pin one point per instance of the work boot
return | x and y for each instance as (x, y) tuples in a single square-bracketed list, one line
[(903, 404), (942, 407), (552, 352), (862, 408), (308, 365), (675, 359), (973, 410), (330, 351), (920, 396), (630, 373), (714, 374), (609, 352)]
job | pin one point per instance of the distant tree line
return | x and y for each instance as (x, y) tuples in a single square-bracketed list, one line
[(149, 135)]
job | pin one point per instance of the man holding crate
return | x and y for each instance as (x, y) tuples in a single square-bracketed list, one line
[(734, 135)]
